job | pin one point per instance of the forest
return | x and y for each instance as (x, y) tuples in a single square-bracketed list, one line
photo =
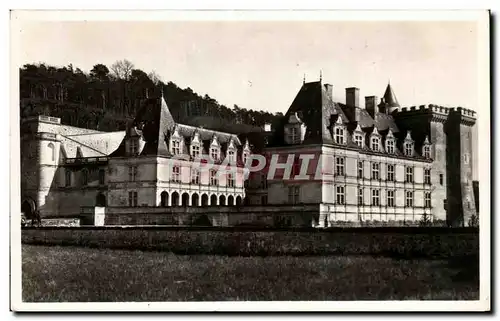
[(107, 98)]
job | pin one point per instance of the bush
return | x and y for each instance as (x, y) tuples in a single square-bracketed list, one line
[(473, 221), (425, 220)]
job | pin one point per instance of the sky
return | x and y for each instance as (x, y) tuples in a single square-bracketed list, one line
[(261, 65)]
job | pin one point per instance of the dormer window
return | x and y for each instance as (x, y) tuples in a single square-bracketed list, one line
[(294, 135), (389, 146), (358, 140), (339, 135), (375, 143), (214, 153), (176, 147), (195, 150), (231, 156), (244, 157), (295, 129), (408, 147), (358, 137), (427, 151)]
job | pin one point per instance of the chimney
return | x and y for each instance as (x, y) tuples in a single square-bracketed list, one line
[(352, 97), (329, 90), (371, 105)]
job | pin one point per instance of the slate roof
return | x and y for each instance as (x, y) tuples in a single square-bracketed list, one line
[(155, 124), (390, 97), (316, 108)]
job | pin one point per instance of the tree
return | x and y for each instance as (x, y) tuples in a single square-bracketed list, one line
[(425, 220), (122, 69), (155, 78), (100, 72)]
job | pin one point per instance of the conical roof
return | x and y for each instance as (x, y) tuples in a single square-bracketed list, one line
[(157, 124), (390, 97)]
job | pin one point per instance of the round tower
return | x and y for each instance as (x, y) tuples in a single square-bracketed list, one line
[(48, 146)]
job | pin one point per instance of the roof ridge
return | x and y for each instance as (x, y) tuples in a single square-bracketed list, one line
[(84, 145)]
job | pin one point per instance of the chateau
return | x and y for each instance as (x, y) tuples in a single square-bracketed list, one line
[(327, 163)]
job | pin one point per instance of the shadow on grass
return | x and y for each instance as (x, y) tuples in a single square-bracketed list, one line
[(470, 262)]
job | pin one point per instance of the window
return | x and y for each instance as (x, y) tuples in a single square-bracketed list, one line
[(195, 176), (390, 198), (52, 151), (67, 177), (375, 144), (295, 167), (408, 149), (339, 168), (231, 156), (375, 197), (427, 176), (409, 174), (360, 196), (427, 151), (214, 153), (294, 135), (390, 146), (176, 174), (427, 199), (360, 169), (132, 173), (263, 199), (195, 151), (132, 198), (390, 172), (375, 171), (293, 194), (230, 180), (102, 175), (339, 135), (358, 140), (466, 159), (176, 147), (409, 199), (85, 177), (340, 195), (213, 177), (245, 157), (263, 180), (441, 179), (133, 147)]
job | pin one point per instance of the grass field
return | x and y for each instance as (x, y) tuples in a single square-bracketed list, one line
[(70, 274)]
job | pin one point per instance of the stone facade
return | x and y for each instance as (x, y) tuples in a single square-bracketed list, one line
[(383, 164), (65, 169), (384, 182)]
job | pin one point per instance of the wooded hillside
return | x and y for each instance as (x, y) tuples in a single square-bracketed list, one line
[(107, 97)]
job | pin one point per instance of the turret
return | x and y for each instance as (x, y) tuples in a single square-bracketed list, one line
[(389, 102)]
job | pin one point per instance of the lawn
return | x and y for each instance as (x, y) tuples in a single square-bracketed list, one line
[(71, 274)]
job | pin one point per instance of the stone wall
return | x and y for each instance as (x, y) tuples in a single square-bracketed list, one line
[(397, 242), (286, 215)]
